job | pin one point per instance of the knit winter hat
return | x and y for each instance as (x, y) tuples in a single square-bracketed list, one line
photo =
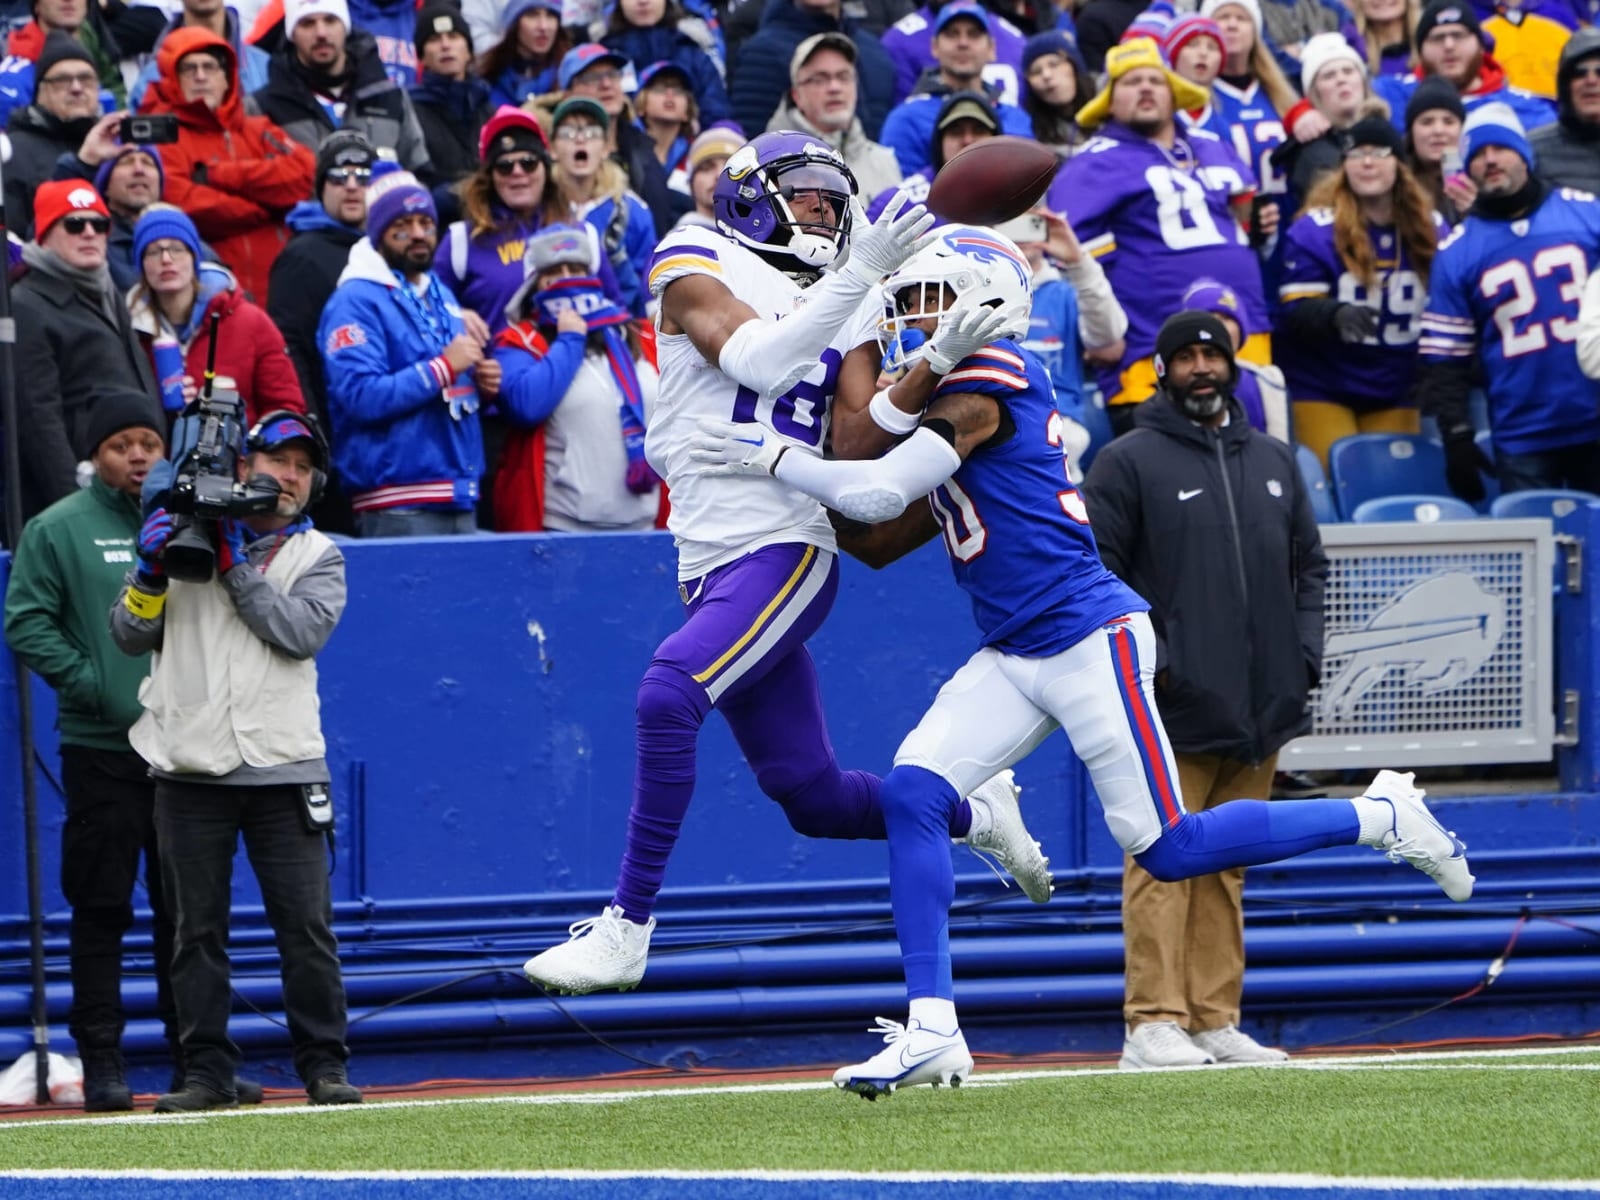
[(1447, 12), (1130, 56), (294, 11), (1152, 23), (511, 129), (1494, 125), (1051, 41), (1215, 297), (60, 47), (1208, 8), (557, 244), (102, 176), (717, 142), (164, 221), (112, 412), (1324, 50), (1433, 93), (440, 18), (1188, 328), (1185, 29), (515, 10), (61, 198), (343, 148), (1375, 131), (394, 193)]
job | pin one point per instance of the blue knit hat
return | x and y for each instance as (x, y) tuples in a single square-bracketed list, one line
[(1051, 41), (1494, 125), (165, 221), (103, 175), (394, 193)]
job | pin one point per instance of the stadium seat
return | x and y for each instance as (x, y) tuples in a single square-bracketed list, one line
[(1369, 465), (1541, 502), (1317, 484), (1423, 509)]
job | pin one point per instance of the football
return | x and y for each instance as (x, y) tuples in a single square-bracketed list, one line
[(993, 180)]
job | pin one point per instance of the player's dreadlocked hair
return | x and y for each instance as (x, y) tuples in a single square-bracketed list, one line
[(1413, 223)]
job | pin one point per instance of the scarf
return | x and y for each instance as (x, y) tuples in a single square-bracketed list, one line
[(94, 284), (587, 298), (428, 315)]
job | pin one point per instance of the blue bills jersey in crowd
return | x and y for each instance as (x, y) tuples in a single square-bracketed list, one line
[(1255, 130), (1015, 527), (1508, 291), (1053, 336), (1157, 220), (1378, 372)]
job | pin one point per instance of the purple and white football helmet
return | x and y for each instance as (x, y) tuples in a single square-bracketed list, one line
[(752, 195)]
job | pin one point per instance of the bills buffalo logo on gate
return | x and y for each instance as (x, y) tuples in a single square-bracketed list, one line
[(344, 337)]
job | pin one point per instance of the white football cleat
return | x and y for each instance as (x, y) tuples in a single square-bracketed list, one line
[(608, 951), (1008, 839), (1417, 838), (913, 1055)]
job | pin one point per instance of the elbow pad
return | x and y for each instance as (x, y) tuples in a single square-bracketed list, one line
[(770, 357), (879, 489)]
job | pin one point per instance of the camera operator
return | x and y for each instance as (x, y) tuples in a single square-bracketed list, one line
[(233, 737)]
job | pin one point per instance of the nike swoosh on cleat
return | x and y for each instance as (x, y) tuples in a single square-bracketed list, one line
[(910, 1061)]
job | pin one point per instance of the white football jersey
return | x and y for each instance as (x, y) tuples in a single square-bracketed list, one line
[(719, 518)]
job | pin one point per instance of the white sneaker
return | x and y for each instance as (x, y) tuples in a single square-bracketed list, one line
[(1007, 838), (913, 1055), (1158, 1044), (607, 951), (1230, 1045), (1419, 839)]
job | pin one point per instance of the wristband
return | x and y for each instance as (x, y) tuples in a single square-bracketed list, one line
[(778, 458), (886, 416), (146, 606)]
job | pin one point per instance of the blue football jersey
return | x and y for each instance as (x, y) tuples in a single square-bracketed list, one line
[(1508, 291), (1254, 129), (1015, 527)]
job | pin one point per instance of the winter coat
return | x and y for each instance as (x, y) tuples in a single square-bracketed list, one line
[(1534, 112), (513, 87), (27, 43), (1101, 24), (909, 129), (389, 26), (1214, 528), (1567, 152), (761, 73), (235, 175), (396, 443), (38, 139), (376, 106), (628, 235), (663, 43), (65, 576), (67, 349), (909, 45), (252, 60), (450, 115), (648, 178), (875, 167), (250, 350), (302, 280)]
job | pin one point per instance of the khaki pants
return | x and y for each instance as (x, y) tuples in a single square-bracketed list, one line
[(1184, 942)]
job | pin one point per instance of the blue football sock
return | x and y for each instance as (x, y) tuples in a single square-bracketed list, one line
[(1245, 833), (918, 809)]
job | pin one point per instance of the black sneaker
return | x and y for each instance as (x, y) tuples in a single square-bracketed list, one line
[(1296, 785), (330, 1089), (105, 1082), (195, 1097)]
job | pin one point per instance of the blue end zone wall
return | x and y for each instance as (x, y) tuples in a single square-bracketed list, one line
[(478, 701)]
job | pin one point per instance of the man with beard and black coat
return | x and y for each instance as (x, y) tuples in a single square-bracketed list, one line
[(1210, 522), (66, 105), (324, 66), (1567, 152), (451, 102)]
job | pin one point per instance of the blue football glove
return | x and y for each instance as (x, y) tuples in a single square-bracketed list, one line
[(154, 535), (230, 545)]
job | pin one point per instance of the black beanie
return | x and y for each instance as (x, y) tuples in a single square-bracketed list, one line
[(343, 148), (440, 18), (1375, 131), (112, 412), (1433, 93), (1187, 328), (1447, 12), (59, 47)]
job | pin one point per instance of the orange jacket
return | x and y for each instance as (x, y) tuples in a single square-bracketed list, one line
[(235, 175)]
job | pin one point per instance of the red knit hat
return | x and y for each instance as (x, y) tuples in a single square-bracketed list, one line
[(61, 198), (511, 129)]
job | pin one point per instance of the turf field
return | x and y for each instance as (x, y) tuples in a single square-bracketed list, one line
[(1502, 1123)]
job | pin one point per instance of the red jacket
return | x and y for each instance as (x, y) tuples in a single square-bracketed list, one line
[(519, 477), (250, 351), (235, 175)]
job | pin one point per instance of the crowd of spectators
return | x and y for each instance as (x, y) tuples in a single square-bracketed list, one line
[(1301, 165)]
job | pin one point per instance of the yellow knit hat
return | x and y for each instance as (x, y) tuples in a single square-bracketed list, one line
[(1130, 56)]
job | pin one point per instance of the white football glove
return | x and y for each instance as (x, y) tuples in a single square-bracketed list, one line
[(963, 330), (899, 232), (735, 448)]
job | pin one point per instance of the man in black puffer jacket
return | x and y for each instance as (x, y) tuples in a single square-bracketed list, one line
[(1567, 152)]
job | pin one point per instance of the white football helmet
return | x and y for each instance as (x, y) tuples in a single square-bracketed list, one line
[(967, 265)]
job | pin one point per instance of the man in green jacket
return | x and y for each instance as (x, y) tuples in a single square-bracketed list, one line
[(67, 573)]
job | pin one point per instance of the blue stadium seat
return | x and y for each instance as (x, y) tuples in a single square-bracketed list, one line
[(1369, 465), (1542, 502), (1317, 484), (1420, 508)]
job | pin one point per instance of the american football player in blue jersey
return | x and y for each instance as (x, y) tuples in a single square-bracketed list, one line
[(1066, 644)]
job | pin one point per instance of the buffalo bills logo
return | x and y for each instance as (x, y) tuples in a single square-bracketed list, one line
[(989, 248)]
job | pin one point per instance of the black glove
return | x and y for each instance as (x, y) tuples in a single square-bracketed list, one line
[(1355, 322), (1464, 459)]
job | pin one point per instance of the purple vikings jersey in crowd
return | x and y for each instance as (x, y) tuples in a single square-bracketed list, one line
[(1015, 527), (1157, 220), (1509, 291), (1379, 371)]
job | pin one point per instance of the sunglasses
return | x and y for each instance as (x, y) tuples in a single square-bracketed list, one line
[(345, 176), (77, 223), (527, 163)]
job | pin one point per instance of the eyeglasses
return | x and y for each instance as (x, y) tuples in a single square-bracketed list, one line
[(202, 64), (1368, 153), (526, 163), (580, 133), (82, 79), (156, 250), (823, 78), (78, 222), (597, 75), (1590, 70), (346, 176)]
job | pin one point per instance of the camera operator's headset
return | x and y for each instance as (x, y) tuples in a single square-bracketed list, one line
[(256, 440)]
